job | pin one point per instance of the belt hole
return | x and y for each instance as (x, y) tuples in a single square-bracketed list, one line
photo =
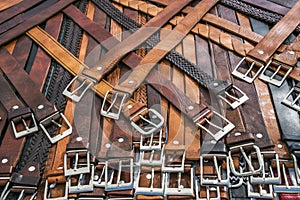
[(31, 168), (121, 140), (15, 107), (4, 160), (280, 146), (259, 135)]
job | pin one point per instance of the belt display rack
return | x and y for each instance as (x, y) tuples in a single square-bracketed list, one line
[(156, 99)]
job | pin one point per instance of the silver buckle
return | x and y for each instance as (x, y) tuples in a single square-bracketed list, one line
[(147, 121), (266, 193), (118, 98), (27, 130), (47, 191), (296, 168), (269, 178), (51, 119), (251, 171), (110, 183), (209, 189), (151, 144), (237, 101), (81, 187), (245, 76), (72, 94), (78, 168), (151, 159), (286, 187), (288, 99), (222, 131), (179, 190), (99, 178), (214, 179), (176, 167), (271, 78), (150, 190)]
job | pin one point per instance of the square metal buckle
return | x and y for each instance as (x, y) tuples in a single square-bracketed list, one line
[(245, 76), (221, 131), (152, 155), (288, 99), (117, 99), (260, 190), (86, 83), (147, 121), (170, 157), (115, 182), (267, 178), (296, 168), (84, 182), (48, 187), (151, 144), (285, 187), (251, 171), (215, 160), (21, 194), (76, 167), (208, 189), (99, 175), (270, 77), (179, 190), (150, 190), (52, 119)]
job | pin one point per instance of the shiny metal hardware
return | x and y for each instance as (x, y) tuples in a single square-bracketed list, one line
[(86, 84), (81, 187), (169, 164), (99, 175), (212, 192), (27, 129), (265, 193), (8, 189), (51, 120), (150, 143), (113, 181), (222, 130), (247, 75), (147, 121), (151, 157), (285, 187), (279, 67), (251, 170), (118, 99), (47, 193), (290, 101), (214, 179), (296, 168), (76, 167)]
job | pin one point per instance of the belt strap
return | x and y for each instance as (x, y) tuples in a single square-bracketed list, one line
[(3, 119)]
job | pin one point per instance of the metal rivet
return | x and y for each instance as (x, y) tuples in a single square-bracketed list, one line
[(40, 107), (260, 52), (292, 52), (78, 139), (15, 107), (31, 168), (191, 107), (107, 145), (129, 106), (237, 134), (280, 146), (259, 135), (216, 84), (175, 142), (121, 140), (99, 68), (148, 176), (4, 160), (131, 81)]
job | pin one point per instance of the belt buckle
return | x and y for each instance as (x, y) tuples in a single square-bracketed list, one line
[(208, 189), (150, 190), (296, 168), (151, 144), (271, 78), (80, 187), (110, 183), (180, 190), (150, 160), (222, 131), (51, 186), (147, 121), (118, 98), (251, 171), (288, 99), (84, 167), (45, 122), (177, 167), (265, 193), (21, 116), (21, 196), (245, 76), (99, 175), (72, 94), (215, 179)]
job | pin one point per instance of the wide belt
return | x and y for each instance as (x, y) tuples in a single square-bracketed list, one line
[(45, 113), (117, 52)]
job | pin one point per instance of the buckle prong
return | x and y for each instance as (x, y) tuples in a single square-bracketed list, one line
[(108, 113), (292, 103), (27, 130)]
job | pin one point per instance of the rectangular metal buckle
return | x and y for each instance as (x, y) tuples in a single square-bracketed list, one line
[(251, 171), (285, 187), (72, 94), (51, 120), (84, 182), (112, 165), (233, 100), (150, 190), (118, 98), (245, 76), (78, 168), (147, 121), (170, 157), (222, 131), (270, 76), (265, 193), (288, 99), (47, 193), (296, 168), (150, 143), (32, 128), (216, 160), (179, 190), (155, 157), (20, 197), (208, 189), (267, 178), (99, 175)]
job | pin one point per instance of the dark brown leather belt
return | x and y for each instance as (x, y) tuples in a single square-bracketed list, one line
[(3, 120)]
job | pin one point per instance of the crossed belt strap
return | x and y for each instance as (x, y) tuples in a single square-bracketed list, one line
[(44, 112)]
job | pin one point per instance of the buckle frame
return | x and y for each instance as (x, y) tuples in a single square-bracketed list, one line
[(174, 167), (208, 189), (151, 161), (238, 101), (72, 94), (292, 104), (56, 138), (296, 168), (75, 170), (80, 187), (99, 180), (151, 143), (222, 130), (27, 129), (244, 76), (286, 187), (46, 191), (262, 193), (150, 127), (270, 79)]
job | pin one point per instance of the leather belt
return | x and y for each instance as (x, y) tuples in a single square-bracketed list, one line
[(95, 74), (3, 119)]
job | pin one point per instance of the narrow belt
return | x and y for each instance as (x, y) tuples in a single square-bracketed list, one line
[(3, 120)]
